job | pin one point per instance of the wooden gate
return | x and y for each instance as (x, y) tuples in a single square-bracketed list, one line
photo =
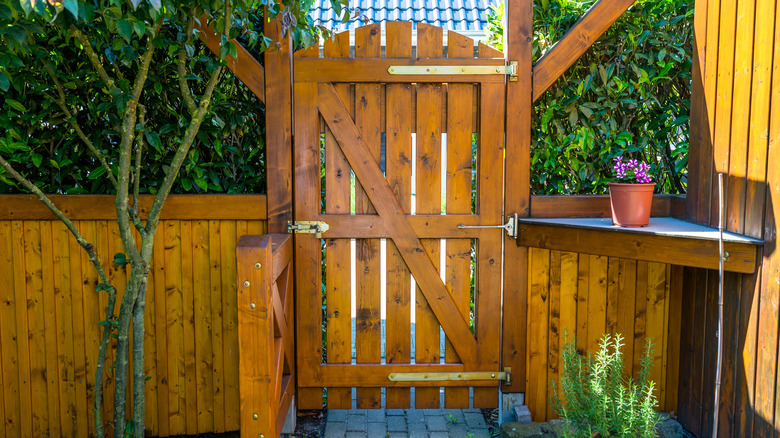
[(399, 154)]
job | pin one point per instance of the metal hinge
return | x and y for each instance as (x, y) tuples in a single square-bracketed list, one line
[(307, 227), (508, 70), (510, 226), (505, 376)]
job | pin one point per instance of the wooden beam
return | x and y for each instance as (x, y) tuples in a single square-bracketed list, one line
[(375, 375), (102, 207), (518, 36), (246, 68), (278, 119), (637, 245), (577, 41)]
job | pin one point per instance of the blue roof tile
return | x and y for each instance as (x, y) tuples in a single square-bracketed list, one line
[(448, 14)]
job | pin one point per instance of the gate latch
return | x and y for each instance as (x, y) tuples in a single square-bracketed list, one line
[(465, 376), (510, 226), (308, 227)]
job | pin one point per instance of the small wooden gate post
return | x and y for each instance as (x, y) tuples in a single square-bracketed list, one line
[(265, 335)]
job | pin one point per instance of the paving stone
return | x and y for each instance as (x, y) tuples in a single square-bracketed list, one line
[(335, 429), (457, 429), (356, 423), (418, 434), (397, 435), (356, 435), (479, 433), (432, 411), (375, 415), (337, 414), (415, 416), (396, 424), (376, 429), (475, 421), (395, 412), (472, 411), (454, 415), (435, 423), (417, 427), (439, 435)]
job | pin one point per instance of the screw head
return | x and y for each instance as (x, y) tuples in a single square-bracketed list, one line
[(492, 376), (246, 283), (258, 266), (254, 416), (251, 305)]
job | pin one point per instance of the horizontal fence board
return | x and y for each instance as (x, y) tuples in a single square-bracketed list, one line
[(102, 207)]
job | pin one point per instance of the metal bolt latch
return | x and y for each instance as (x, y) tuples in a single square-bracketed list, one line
[(510, 226)]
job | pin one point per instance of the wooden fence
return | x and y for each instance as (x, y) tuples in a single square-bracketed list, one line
[(735, 130), (266, 334), (49, 311)]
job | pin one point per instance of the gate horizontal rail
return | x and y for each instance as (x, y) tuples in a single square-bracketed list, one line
[(265, 333)]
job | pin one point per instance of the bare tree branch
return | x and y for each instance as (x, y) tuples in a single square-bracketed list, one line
[(181, 66), (92, 56), (60, 101)]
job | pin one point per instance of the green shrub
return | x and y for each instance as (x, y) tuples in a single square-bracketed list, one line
[(628, 95), (594, 396)]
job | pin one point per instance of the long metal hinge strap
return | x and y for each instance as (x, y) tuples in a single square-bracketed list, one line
[(510, 226), (509, 69), (465, 376)]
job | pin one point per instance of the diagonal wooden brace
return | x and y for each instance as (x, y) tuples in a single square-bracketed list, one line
[(396, 222)]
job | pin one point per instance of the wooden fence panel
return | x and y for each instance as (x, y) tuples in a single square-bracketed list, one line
[(49, 335), (586, 296)]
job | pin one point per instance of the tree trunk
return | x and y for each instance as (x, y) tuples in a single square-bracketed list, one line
[(139, 378)]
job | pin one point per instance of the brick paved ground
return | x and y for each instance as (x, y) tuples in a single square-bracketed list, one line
[(405, 423)]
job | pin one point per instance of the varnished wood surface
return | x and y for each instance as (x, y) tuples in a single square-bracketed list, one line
[(50, 311), (102, 207)]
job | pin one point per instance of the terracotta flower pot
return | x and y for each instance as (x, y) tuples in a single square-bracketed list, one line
[(631, 204)]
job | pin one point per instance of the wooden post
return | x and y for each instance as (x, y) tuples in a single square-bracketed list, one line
[(518, 36), (278, 122)]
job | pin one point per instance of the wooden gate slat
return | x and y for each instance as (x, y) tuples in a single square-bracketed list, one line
[(367, 119), (490, 194), (308, 248), (459, 176), (338, 252), (430, 100), (398, 170), (384, 201)]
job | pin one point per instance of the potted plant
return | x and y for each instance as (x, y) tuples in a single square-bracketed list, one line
[(632, 196)]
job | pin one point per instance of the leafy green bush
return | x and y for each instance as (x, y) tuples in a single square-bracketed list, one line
[(628, 95), (594, 396)]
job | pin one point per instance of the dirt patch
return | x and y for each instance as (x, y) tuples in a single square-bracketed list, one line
[(310, 424)]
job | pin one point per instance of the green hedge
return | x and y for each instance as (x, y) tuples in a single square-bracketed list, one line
[(628, 95)]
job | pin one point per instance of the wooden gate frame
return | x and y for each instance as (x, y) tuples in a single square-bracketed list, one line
[(275, 92)]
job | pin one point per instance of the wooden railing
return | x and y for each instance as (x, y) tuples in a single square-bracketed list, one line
[(265, 333)]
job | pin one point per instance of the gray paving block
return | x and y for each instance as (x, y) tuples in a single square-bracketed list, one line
[(376, 429), (414, 415), (397, 435), (432, 411), (454, 415), (457, 429), (335, 429), (375, 415), (418, 434), (395, 412), (472, 411), (356, 422), (356, 435), (475, 421), (435, 423), (337, 414), (396, 424), (417, 427), (479, 433), (439, 435)]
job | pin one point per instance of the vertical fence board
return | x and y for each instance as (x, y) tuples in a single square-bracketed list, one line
[(399, 176), (626, 310), (203, 325), (35, 327), (538, 317), (554, 328), (48, 298), (215, 263), (656, 297), (428, 200), (367, 119), (229, 324), (161, 326), (9, 331), (177, 409)]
